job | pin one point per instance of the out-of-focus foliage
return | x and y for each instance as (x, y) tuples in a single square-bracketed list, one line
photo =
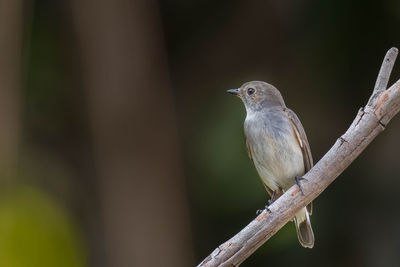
[(35, 231)]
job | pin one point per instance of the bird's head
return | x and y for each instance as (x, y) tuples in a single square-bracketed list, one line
[(257, 95)]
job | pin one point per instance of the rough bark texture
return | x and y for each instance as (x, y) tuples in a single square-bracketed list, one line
[(369, 122)]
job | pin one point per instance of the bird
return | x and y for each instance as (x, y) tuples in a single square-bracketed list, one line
[(277, 144)]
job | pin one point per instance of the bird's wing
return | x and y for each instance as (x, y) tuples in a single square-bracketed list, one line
[(269, 190), (303, 142), (301, 138), (248, 150)]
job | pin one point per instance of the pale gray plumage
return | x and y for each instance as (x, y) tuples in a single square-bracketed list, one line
[(277, 144)]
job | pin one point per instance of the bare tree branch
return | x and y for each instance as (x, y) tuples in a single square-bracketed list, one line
[(369, 122), (384, 74)]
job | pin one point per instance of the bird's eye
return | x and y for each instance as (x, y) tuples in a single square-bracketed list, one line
[(250, 91)]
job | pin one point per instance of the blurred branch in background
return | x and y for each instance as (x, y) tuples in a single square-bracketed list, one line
[(35, 230), (135, 133), (11, 12), (369, 122)]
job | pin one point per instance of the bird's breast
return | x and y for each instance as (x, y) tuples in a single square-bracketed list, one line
[(276, 152)]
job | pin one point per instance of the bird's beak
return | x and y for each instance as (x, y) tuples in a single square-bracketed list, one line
[(233, 91)]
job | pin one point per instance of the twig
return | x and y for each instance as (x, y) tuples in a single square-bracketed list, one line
[(369, 122), (384, 74)]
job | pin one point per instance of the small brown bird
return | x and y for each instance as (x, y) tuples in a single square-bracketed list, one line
[(277, 145)]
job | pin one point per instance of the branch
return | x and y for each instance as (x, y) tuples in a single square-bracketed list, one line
[(382, 106)]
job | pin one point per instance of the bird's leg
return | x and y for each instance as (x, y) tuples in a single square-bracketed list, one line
[(297, 180), (270, 201)]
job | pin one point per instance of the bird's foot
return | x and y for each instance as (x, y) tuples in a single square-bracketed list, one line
[(267, 208), (258, 212), (297, 180)]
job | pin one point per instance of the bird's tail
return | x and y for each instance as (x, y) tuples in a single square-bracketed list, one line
[(303, 228)]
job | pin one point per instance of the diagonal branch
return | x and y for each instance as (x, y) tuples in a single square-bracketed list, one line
[(369, 122)]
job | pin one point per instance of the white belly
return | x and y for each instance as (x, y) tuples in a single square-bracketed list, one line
[(279, 165), (276, 152)]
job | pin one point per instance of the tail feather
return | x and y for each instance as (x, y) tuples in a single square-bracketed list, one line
[(303, 228)]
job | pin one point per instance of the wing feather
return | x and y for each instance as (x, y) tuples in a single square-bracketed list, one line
[(303, 142), (249, 150), (269, 190)]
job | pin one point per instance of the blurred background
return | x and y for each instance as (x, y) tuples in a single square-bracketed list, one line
[(120, 147)]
